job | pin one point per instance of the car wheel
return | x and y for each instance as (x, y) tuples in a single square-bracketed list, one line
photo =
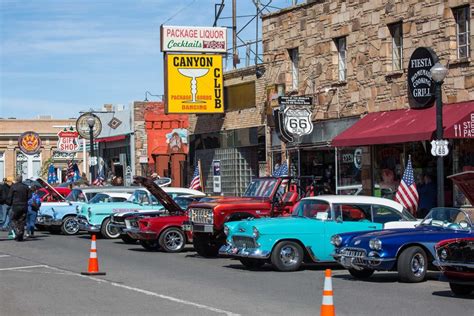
[(361, 274), (459, 289), (151, 245), (108, 231), (70, 226), (287, 256), (127, 239), (251, 263), (172, 240), (205, 247), (412, 265)]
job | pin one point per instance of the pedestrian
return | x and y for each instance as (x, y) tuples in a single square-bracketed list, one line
[(427, 191), (4, 207), (33, 207), (18, 197)]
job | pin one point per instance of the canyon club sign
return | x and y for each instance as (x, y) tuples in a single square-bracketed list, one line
[(420, 86), (193, 39)]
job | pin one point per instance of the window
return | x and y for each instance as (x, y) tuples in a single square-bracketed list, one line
[(294, 67), (396, 32), (461, 15), (384, 214), (352, 212), (341, 52)]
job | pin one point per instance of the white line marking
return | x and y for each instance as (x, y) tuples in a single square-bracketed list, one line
[(165, 297), (25, 267), (4, 256)]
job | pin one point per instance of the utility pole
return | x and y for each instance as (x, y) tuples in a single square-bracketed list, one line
[(235, 56)]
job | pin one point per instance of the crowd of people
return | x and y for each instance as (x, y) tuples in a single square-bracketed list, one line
[(19, 205)]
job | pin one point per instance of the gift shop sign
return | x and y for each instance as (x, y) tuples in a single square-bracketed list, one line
[(194, 83), (420, 86), (193, 39), (68, 141)]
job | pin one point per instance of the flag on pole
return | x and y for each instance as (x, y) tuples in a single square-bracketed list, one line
[(407, 195), (196, 181), (70, 171), (281, 171)]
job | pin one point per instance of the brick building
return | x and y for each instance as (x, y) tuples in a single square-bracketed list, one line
[(352, 58)]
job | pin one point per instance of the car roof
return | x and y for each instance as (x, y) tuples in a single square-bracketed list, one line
[(117, 194), (107, 189), (183, 190), (359, 199)]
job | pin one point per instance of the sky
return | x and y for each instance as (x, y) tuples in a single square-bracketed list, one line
[(60, 57)]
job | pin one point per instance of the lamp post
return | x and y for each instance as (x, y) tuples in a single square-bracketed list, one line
[(438, 73), (91, 123)]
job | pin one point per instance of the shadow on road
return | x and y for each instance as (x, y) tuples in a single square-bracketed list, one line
[(387, 277), (268, 267), (451, 295)]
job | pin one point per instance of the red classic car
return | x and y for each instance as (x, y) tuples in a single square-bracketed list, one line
[(163, 231), (47, 196)]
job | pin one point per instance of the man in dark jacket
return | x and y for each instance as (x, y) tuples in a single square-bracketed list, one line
[(18, 197), (4, 188)]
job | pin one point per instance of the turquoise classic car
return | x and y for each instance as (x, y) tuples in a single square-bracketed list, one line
[(287, 242), (96, 218)]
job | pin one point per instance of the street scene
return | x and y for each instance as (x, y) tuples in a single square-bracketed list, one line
[(233, 157)]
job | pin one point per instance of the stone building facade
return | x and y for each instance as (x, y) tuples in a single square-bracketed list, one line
[(352, 58)]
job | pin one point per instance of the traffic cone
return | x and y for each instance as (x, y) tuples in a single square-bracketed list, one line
[(93, 261), (327, 307)]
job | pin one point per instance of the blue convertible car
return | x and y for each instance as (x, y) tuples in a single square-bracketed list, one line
[(408, 251)]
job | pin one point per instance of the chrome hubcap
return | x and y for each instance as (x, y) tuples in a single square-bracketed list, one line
[(289, 255), (418, 265), (173, 240), (71, 226)]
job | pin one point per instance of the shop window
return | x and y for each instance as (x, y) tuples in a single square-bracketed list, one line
[(240, 96), (396, 32), (294, 58), (349, 163), (341, 53), (461, 16)]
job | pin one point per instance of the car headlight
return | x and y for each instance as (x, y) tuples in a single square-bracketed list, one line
[(375, 244), (226, 230), (336, 240), (443, 254), (255, 233)]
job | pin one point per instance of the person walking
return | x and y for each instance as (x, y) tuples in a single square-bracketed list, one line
[(33, 207), (18, 197), (4, 207)]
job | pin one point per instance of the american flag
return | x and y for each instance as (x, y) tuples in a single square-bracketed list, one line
[(196, 181), (407, 195), (99, 181), (70, 172), (281, 172)]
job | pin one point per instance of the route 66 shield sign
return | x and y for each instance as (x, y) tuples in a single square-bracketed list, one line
[(297, 121), (439, 147)]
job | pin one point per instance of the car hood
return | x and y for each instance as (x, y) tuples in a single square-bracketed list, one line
[(465, 182), (50, 189), (169, 204), (277, 225)]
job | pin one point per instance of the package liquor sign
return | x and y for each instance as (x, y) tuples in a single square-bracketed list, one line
[(194, 83), (420, 86), (68, 141), (193, 39)]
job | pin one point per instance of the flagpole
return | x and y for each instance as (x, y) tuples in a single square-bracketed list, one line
[(200, 175)]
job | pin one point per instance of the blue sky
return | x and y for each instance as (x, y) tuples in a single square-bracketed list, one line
[(59, 57)]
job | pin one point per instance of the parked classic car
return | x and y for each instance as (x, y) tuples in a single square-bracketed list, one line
[(287, 242), (408, 251), (264, 197), (61, 216), (455, 257), (162, 231), (97, 218), (47, 196)]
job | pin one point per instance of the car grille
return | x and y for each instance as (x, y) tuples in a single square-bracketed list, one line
[(201, 215), (131, 223), (356, 253), (243, 242)]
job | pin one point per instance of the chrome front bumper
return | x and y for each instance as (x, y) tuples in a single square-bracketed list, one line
[(136, 233), (119, 227), (48, 220), (357, 262), (85, 225), (231, 251)]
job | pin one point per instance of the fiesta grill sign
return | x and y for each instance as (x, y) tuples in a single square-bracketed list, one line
[(194, 83), (193, 39), (420, 85)]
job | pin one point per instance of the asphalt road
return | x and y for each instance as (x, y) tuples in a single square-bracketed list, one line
[(41, 276)]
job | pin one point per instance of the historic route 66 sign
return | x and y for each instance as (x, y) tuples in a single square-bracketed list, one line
[(297, 121), (439, 147)]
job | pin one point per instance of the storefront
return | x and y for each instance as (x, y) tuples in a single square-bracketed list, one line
[(385, 140)]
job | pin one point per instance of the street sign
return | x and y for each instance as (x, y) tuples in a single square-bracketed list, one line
[(83, 128), (439, 148), (93, 161), (295, 100), (68, 141)]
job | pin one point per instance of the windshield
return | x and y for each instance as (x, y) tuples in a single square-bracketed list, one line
[(451, 218), (260, 187), (313, 209)]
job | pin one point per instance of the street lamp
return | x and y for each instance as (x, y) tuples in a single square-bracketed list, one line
[(91, 122), (438, 73)]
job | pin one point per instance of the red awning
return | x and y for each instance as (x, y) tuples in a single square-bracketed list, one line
[(109, 139), (402, 126), (459, 123)]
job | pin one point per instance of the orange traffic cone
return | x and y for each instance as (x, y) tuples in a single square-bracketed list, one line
[(93, 261), (327, 307)]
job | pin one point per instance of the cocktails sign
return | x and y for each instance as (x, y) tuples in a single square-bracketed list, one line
[(194, 83), (420, 86), (193, 39)]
